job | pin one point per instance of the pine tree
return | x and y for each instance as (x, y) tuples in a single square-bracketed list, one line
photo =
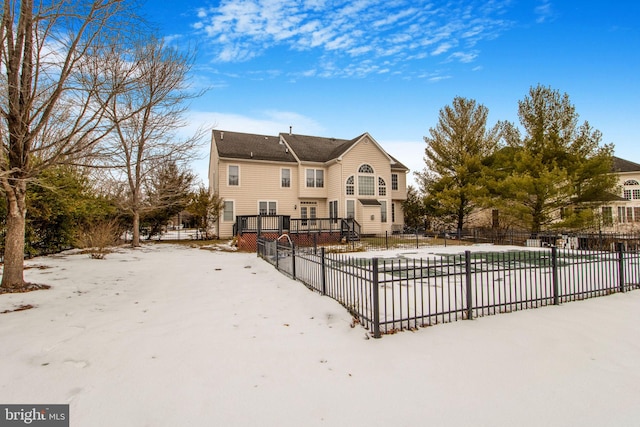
[(555, 165), (455, 151)]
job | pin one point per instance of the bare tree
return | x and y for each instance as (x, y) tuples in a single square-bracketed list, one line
[(146, 117), (51, 61)]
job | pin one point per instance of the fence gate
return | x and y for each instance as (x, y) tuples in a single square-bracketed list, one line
[(278, 253)]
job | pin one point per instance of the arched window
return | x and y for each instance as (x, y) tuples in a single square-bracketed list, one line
[(382, 187), (631, 193), (366, 181), (350, 187), (365, 169)]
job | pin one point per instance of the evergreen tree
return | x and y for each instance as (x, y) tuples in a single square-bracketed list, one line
[(455, 151), (414, 209), (206, 209), (168, 193), (60, 204), (555, 165)]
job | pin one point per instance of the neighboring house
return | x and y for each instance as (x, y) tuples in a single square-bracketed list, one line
[(307, 178), (622, 214), (619, 213)]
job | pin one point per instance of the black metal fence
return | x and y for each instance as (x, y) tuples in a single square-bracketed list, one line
[(394, 294), (420, 239)]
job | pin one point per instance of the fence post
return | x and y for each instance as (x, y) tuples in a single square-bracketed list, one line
[(621, 265), (554, 275), (467, 268), (375, 289), (293, 260), (386, 239), (417, 242), (323, 274)]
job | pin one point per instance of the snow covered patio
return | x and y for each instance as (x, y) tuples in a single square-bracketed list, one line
[(169, 335)]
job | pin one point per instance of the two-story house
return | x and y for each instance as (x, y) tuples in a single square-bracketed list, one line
[(308, 178), (622, 213)]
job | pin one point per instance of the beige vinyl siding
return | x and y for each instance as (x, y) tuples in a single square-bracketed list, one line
[(214, 187), (624, 213), (334, 183), (401, 192), (398, 224), (364, 215), (259, 181), (311, 192), (366, 152)]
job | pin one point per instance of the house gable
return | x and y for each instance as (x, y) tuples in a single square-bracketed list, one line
[(249, 172)]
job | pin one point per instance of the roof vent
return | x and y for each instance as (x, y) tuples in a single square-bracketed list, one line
[(221, 136), (290, 129), (252, 154)]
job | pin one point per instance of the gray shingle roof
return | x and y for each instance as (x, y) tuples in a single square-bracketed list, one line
[(236, 145), (622, 165), (315, 148)]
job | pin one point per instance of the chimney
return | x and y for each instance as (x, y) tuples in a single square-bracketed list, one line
[(221, 136), (290, 129)]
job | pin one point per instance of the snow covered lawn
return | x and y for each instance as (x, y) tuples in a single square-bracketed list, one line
[(169, 335)]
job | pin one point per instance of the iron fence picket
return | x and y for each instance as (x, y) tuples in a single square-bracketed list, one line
[(388, 295)]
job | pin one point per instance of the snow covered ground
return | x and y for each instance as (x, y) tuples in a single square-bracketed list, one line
[(169, 335)]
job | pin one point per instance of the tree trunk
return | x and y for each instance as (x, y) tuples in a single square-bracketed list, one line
[(135, 240), (13, 271)]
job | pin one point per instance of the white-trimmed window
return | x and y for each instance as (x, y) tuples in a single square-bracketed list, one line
[(333, 209), (285, 178), (383, 211), (234, 175), (350, 186), (394, 181), (622, 214), (267, 207), (607, 215), (227, 212), (351, 208), (366, 181), (631, 193), (382, 187), (308, 213), (315, 178)]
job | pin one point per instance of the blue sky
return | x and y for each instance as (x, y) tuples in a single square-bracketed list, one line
[(340, 68)]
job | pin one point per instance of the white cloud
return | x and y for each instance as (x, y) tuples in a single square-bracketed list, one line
[(442, 48), (544, 12), (241, 30), (464, 57)]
